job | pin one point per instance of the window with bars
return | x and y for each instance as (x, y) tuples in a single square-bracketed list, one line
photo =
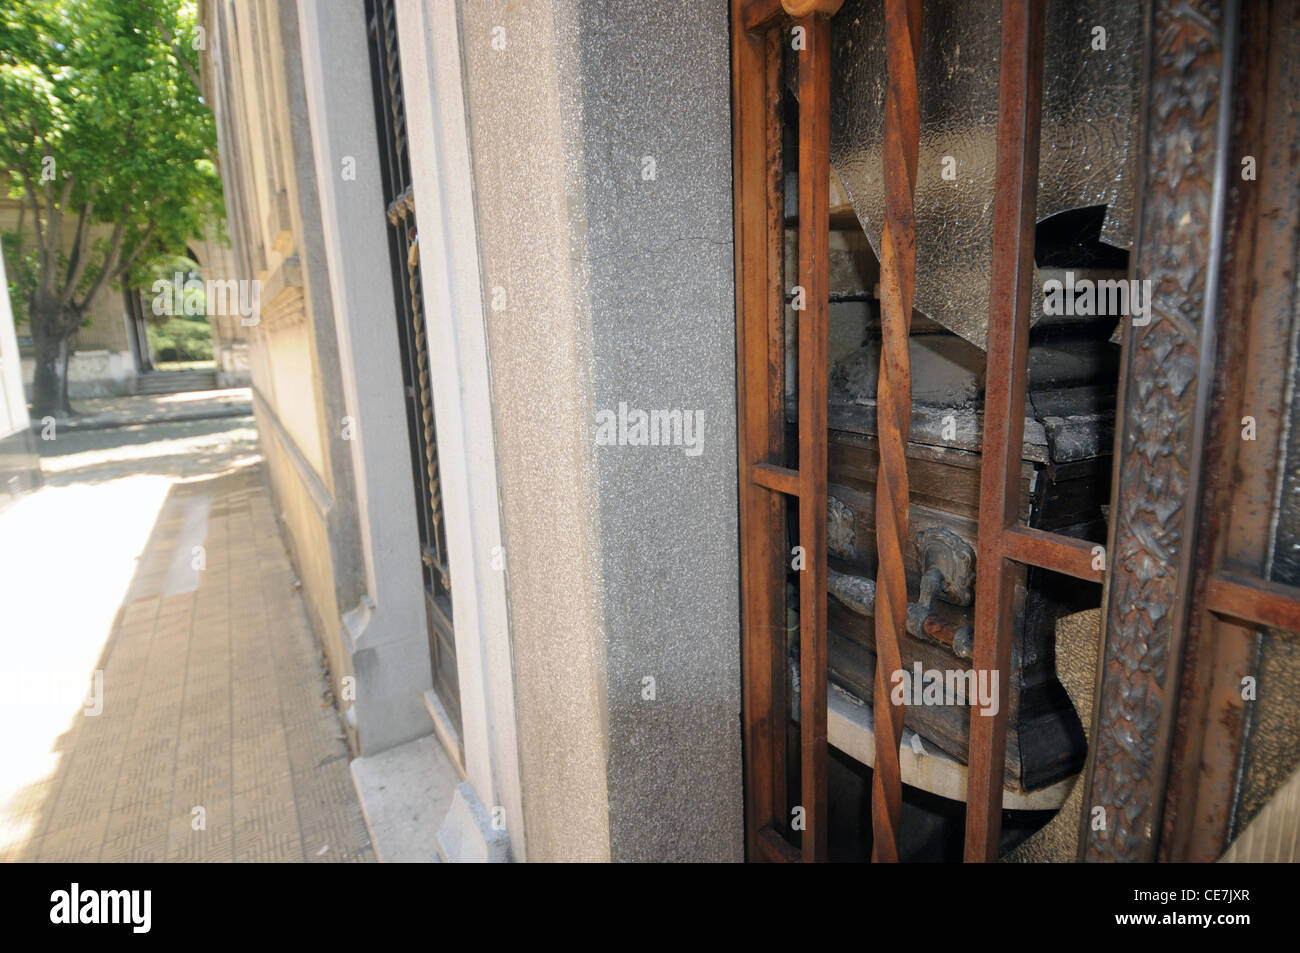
[(404, 252), (841, 462), (1183, 552)]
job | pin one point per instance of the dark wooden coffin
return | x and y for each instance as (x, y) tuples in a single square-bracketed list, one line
[(1065, 479)]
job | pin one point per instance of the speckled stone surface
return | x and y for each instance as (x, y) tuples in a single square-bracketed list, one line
[(618, 284), (661, 272)]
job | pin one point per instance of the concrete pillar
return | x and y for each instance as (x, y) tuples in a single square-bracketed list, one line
[(601, 143)]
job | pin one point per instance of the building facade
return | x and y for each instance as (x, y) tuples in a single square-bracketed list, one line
[(579, 325), (20, 467), (559, 616)]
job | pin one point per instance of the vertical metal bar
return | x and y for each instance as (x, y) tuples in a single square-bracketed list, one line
[(760, 338), (814, 347), (894, 409), (774, 395), (760, 348), (1019, 107), (1243, 479)]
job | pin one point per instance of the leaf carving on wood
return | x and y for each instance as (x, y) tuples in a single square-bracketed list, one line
[(1158, 422)]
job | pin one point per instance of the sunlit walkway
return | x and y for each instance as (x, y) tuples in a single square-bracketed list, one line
[(208, 733)]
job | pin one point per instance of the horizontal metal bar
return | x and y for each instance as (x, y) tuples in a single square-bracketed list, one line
[(1257, 601), (761, 13), (1064, 554), (780, 479), (756, 77), (774, 848)]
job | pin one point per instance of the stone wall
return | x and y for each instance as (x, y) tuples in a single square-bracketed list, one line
[(314, 418), (250, 76), (601, 141)]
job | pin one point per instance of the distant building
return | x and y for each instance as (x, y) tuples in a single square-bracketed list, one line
[(112, 351), (564, 626), (20, 467)]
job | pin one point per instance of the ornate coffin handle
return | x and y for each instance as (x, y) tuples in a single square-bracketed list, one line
[(940, 548), (947, 572)]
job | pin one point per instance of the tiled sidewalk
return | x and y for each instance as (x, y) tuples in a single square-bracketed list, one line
[(217, 740)]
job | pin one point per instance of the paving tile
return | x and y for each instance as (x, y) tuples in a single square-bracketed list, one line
[(212, 699)]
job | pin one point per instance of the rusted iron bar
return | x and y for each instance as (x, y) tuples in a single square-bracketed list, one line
[(774, 848), (1241, 476), (950, 634), (814, 355), (764, 481), (756, 15), (778, 479), (894, 409), (1063, 554), (760, 391), (1256, 601), (1019, 107)]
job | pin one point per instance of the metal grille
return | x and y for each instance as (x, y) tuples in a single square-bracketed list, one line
[(1003, 539), (404, 251), (1187, 570)]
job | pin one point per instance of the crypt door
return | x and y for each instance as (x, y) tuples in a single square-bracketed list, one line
[(404, 251)]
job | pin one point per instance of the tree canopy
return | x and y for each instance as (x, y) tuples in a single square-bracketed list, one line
[(102, 121)]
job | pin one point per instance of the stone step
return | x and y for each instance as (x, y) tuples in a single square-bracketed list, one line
[(172, 382), (405, 794)]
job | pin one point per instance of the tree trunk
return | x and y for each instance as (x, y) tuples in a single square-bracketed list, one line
[(50, 383)]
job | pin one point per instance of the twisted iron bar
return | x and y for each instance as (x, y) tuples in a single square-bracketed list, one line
[(426, 410), (894, 409)]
